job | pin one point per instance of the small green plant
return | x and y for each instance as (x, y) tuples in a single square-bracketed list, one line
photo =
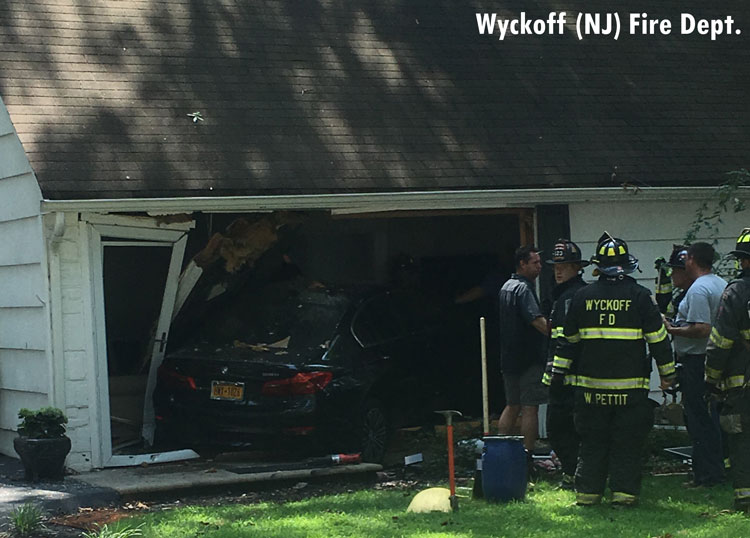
[(26, 519), (44, 423), (726, 198), (108, 532)]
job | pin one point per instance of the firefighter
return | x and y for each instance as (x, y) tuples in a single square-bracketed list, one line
[(679, 279), (603, 343), (566, 259), (728, 371), (663, 285), (668, 293)]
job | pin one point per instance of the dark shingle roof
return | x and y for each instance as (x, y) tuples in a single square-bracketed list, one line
[(332, 96)]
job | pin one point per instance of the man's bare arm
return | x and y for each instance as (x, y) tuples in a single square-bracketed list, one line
[(540, 324), (691, 330)]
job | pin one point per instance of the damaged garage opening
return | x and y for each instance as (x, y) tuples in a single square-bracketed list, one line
[(135, 276), (236, 265)]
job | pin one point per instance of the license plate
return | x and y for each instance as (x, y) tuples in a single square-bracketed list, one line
[(221, 390)]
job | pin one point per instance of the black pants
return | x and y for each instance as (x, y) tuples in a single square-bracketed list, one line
[(703, 428), (612, 439), (561, 428), (739, 449)]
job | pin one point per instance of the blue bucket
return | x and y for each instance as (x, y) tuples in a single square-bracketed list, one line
[(504, 468)]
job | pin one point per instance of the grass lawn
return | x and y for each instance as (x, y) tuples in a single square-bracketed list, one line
[(667, 510)]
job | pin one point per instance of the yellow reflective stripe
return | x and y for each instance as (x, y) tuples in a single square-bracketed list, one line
[(561, 363), (624, 498), (732, 382), (741, 493), (666, 370), (626, 383), (656, 336), (664, 288), (588, 498), (720, 341), (556, 332), (745, 334), (713, 374), (589, 333), (573, 338), (567, 380)]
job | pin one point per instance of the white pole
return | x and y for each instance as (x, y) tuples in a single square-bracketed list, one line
[(485, 395)]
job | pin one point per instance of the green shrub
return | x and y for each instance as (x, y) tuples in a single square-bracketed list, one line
[(44, 423), (26, 520)]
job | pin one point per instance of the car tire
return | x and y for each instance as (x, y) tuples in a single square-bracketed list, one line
[(373, 431)]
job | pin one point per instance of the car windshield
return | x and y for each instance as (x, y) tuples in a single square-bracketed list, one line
[(278, 316)]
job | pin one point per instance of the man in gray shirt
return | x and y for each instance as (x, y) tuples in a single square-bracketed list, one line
[(690, 331)]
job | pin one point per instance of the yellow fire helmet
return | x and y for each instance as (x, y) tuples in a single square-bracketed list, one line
[(612, 257)]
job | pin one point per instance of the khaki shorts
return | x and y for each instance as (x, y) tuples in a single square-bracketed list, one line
[(527, 388)]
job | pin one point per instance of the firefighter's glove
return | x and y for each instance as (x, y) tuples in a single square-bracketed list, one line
[(660, 264), (665, 272), (667, 383), (557, 380), (712, 393)]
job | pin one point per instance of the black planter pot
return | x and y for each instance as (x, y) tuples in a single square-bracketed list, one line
[(42, 458)]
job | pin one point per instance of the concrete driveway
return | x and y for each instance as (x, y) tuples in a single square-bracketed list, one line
[(112, 486)]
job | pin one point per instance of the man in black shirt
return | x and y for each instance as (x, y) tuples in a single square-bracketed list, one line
[(523, 332)]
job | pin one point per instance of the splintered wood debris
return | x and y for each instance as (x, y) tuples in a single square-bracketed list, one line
[(282, 344), (244, 241)]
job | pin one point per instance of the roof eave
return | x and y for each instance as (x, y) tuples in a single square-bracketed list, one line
[(384, 201)]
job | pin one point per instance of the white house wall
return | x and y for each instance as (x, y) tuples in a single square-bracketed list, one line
[(24, 297), (72, 338), (650, 228)]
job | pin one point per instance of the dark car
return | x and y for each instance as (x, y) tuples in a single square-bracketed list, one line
[(337, 368)]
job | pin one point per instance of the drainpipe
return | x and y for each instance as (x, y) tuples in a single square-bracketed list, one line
[(57, 360), (58, 231)]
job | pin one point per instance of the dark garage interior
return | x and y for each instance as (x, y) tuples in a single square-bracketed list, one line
[(441, 254)]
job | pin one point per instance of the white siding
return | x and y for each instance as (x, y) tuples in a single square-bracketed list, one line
[(24, 314), (650, 229), (20, 286)]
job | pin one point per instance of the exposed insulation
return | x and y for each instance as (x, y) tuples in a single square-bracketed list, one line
[(243, 242)]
